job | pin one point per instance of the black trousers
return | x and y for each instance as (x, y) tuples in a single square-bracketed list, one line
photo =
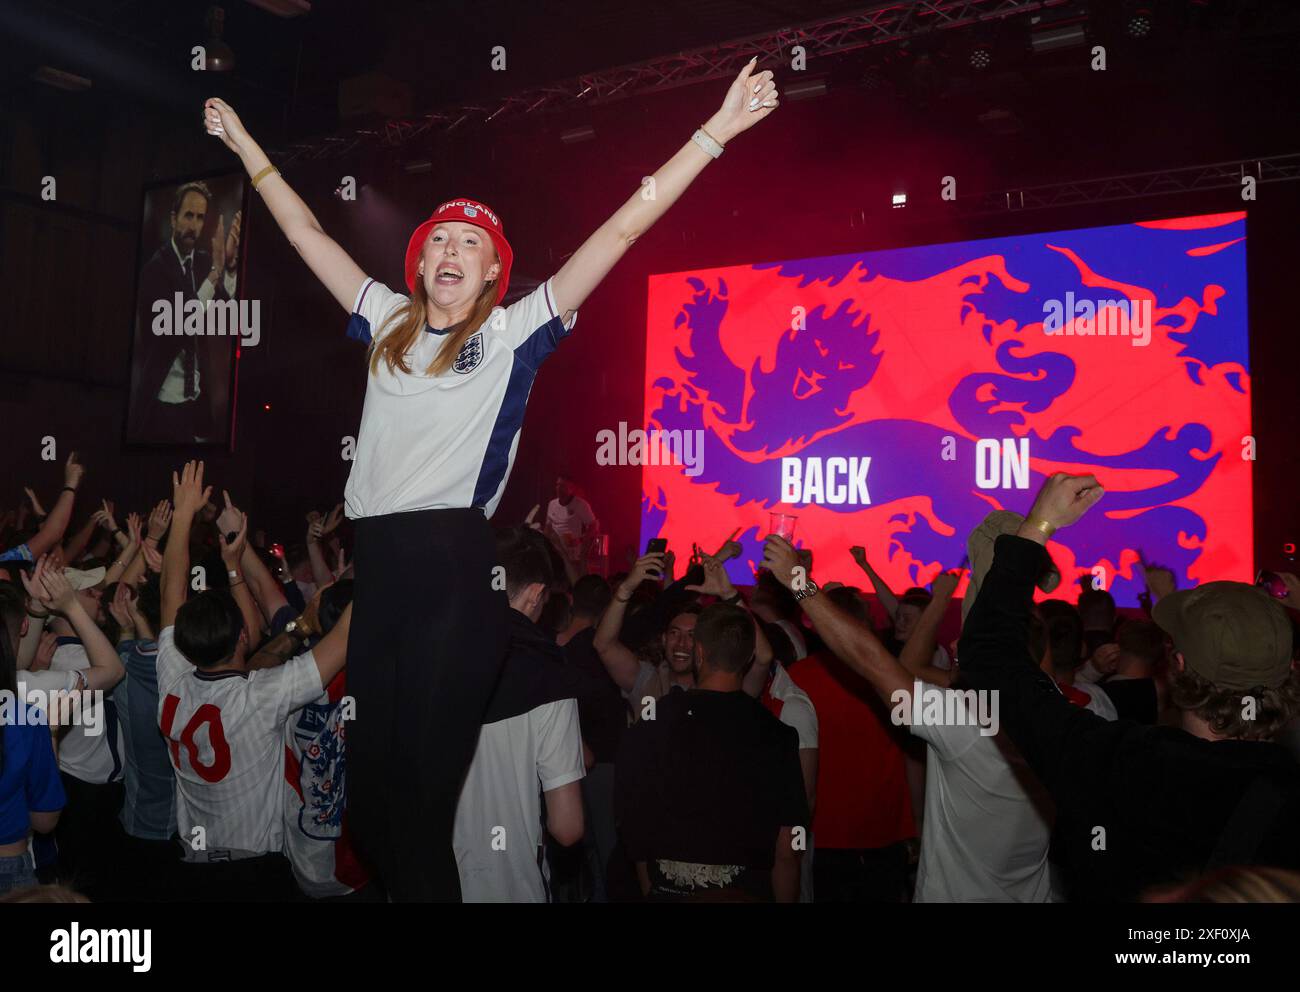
[(268, 878), (426, 647), (876, 874), (89, 837)]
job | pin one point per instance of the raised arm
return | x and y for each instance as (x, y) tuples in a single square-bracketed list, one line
[(320, 571), (751, 98), (886, 595), (188, 495), (619, 660), (266, 592), (231, 553), (331, 653), (120, 608), (76, 544), (329, 262), (918, 653), (850, 641), (1070, 749), (50, 587), (289, 642), (56, 523), (130, 552), (159, 519)]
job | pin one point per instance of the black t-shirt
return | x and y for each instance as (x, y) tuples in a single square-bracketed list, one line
[(1134, 699), (709, 781), (1168, 805), (602, 712)]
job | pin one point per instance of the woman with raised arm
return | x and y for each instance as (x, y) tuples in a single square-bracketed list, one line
[(450, 371)]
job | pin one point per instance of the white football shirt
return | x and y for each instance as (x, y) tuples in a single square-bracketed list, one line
[(570, 521), (498, 832), (987, 820), (448, 441), (225, 732), (91, 749)]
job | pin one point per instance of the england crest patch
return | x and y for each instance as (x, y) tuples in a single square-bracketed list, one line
[(471, 353)]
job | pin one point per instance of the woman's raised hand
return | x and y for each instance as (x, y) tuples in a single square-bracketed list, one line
[(220, 120), (751, 98)]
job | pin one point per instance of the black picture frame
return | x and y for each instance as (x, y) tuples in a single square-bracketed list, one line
[(231, 192)]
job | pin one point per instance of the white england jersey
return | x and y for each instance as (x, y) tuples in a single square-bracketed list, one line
[(448, 441), (497, 836), (92, 748), (225, 732)]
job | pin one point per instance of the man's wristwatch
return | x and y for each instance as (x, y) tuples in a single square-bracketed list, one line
[(810, 589), (296, 628)]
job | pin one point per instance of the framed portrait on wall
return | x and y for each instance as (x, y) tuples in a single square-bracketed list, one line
[(190, 315)]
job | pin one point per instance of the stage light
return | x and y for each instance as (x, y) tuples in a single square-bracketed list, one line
[(1058, 28), (981, 56), (218, 56), (576, 135), (873, 79), (1140, 22), (804, 89), (266, 407), (900, 200)]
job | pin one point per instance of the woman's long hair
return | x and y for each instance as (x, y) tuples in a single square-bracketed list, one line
[(408, 322)]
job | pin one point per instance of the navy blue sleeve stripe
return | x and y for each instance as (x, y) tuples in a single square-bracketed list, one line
[(510, 417), (361, 300), (358, 326), (542, 342)]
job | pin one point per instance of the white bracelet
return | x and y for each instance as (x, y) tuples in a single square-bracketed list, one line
[(701, 138)]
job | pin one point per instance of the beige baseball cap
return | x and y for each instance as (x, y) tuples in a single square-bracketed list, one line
[(84, 578), (1230, 633), (979, 546)]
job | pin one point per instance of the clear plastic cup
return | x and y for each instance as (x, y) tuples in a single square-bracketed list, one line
[(783, 524)]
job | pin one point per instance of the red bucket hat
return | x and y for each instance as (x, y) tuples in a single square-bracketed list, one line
[(467, 212)]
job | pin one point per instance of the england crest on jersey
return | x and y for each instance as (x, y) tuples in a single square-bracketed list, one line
[(471, 353)]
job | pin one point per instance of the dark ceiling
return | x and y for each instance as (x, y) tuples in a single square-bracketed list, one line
[(441, 49), (1230, 65)]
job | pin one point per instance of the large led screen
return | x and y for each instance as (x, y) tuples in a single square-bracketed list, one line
[(890, 399)]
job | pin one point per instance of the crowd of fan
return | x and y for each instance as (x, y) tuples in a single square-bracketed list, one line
[(175, 721)]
